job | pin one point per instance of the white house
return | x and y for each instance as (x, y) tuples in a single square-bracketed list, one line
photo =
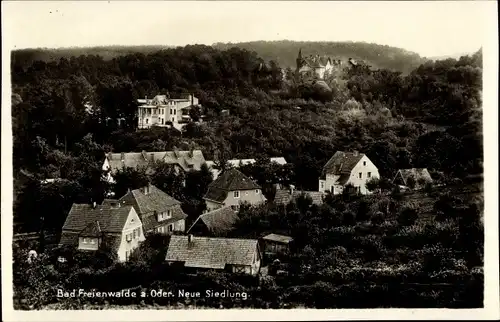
[(346, 168), (164, 111), (89, 227)]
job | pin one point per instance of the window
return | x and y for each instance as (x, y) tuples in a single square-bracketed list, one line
[(257, 191), (85, 241), (322, 185), (135, 234), (139, 232), (364, 162), (170, 228), (361, 175), (173, 119), (154, 112), (175, 112), (171, 111), (369, 174), (236, 194), (147, 121), (92, 240), (331, 189), (127, 254)]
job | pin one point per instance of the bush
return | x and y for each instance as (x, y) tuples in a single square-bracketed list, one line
[(407, 216)]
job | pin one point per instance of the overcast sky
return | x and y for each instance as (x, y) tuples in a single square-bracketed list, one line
[(428, 28)]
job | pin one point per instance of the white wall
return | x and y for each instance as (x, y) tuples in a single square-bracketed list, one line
[(133, 222)]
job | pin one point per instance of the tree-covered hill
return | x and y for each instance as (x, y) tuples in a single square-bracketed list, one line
[(284, 52), (378, 56)]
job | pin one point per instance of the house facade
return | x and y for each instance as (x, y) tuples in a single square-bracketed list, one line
[(90, 227), (159, 212), (240, 256), (164, 111), (232, 188), (182, 160), (347, 168), (275, 244)]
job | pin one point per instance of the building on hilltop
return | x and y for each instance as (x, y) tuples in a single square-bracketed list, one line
[(320, 66), (164, 111), (346, 168)]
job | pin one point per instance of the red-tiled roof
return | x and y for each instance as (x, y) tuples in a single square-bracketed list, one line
[(207, 252), (229, 180)]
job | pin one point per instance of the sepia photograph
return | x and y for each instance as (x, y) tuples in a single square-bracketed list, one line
[(292, 156)]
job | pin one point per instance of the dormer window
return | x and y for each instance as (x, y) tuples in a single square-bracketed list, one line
[(165, 215)]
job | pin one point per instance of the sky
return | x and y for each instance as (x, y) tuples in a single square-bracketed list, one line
[(433, 28)]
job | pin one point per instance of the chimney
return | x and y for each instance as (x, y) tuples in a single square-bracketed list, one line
[(355, 153), (122, 157), (190, 238), (292, 189), (152, 156)]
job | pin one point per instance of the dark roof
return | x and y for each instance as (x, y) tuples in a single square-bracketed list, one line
[(111, 219), (278, 238), (283, 196), (208, 252), (416, 173), (146, 159), (342, 163), (148, 205), (92, 230), (229, 180), (315, 61), (218, 221)]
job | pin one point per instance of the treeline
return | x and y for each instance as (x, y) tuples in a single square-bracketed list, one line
[(379, 56)]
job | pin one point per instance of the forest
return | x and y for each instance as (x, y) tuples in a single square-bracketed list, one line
[(64, 116)]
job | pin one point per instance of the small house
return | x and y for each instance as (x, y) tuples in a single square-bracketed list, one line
[(217, 222), (414, 178), (195, 253), (275, 244)]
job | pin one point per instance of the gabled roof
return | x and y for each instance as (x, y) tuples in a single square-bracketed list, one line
[(278, 238), (208, 252), (342, 163), (84, 216), (146, 159), (154, 200), (284, 196), (229, 180), (417, 173), (218, 221)]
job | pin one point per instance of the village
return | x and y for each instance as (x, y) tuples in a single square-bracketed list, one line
[(126, 221)]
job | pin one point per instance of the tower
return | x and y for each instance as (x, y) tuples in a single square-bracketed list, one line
[(299, 59)]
